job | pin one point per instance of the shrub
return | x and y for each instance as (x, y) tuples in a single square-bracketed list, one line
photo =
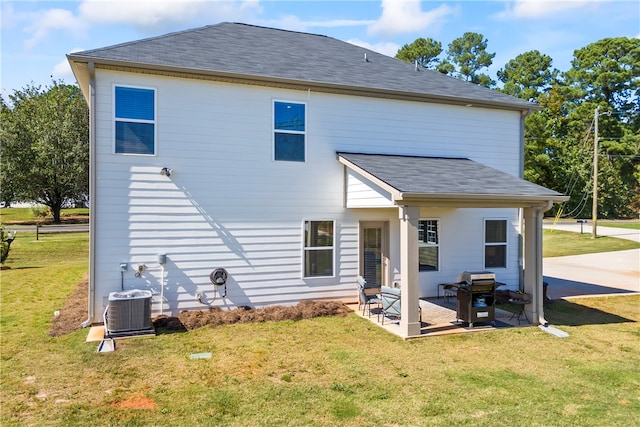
[(5, 244)]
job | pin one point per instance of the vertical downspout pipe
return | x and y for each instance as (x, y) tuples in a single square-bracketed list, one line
[(92, 193), (523, 116)]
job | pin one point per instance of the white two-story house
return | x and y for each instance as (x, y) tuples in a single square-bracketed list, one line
[(296, 162)]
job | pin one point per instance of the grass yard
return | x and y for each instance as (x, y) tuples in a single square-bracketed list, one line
[(631, 225), (27, 216), (562, 243), (341, 371)]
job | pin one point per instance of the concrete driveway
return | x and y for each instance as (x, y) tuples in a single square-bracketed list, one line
[(594, 274)]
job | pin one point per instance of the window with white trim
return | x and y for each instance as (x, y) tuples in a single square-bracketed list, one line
[(428, 245), (495, 243), (134, 120), (318, 248), (289, 131)]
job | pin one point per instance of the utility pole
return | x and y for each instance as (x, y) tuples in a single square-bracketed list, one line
[(594, 212)]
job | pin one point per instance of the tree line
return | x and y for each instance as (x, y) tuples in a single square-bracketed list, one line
[(559, 139), (44, 133)]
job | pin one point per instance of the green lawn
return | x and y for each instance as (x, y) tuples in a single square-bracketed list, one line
[(632, 225), (339, 371), (27, 215), (562, 243)]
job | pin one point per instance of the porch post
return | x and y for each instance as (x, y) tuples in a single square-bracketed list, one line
[(533, 263), (409, 320)]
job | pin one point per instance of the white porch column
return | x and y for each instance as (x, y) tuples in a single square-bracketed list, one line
[(533, 263), (409, 320)]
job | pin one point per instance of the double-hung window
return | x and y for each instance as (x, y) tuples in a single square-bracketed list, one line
[(428, 245), (135, 120), (289, 131), (318, 248), (495, 243)]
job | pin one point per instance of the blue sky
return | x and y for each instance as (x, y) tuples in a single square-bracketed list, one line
[(36, 35)]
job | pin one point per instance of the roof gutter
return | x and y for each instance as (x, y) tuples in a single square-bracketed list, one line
[(540, 200), (92, 194)]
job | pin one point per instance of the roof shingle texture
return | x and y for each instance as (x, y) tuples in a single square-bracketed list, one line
[(270, 53), (440, 175)]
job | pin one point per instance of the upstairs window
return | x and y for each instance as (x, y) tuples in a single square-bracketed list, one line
[(318, 248), (428, 245), (289, 125), (495, 243), (135, 120)]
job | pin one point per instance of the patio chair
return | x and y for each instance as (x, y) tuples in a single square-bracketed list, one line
[(391, 306), (390, 302), (367, 295)]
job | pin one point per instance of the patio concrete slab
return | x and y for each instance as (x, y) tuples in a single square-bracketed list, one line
[(440, 318)]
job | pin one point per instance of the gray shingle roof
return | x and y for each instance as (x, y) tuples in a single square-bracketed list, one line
[(272, 54), (439, 176)]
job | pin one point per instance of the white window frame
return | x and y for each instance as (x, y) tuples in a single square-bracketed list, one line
[(293, 132), (154, 122), (486, 244), (306, 249), (423, 244)]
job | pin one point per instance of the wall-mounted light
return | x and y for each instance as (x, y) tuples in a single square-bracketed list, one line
[(166, 171)]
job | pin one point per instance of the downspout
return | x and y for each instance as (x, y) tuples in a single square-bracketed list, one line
[(92, 193), (540, 300), (523, 116)]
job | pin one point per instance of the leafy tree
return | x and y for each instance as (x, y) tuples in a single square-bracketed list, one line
[(607, 74), (466, 56), (7, 193), (45, 145), (423, 51), (528, 75), (608, 70)]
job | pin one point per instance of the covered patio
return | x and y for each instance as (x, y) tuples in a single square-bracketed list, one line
[(410, 183), (438, 317)]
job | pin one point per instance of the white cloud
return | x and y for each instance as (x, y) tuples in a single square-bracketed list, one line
[(293, 23), (406, 16), (386, 48), (161, 14), (62, 70), (52, 19), (146, 15), (534, 9)]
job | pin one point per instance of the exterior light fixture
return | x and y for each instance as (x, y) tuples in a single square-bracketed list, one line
[(166, 171)]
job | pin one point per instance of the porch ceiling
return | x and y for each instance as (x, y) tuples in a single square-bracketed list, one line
[(447, 182)]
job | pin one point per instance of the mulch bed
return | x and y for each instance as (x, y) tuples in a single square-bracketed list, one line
[(74, 312)]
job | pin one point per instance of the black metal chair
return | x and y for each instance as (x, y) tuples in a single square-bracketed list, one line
[(367, 295)]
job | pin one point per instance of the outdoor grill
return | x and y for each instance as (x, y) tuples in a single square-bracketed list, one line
[(476, 297)]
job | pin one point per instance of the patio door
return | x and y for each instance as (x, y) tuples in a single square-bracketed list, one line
[(374, 260)]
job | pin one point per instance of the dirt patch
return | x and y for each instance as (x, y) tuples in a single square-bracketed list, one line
[(188, 320), (135, 402), (74, 312)]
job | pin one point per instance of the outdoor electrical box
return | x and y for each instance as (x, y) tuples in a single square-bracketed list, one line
[(123, 266), (162, 259)]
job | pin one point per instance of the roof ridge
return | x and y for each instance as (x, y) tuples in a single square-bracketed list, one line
[(279, 29)]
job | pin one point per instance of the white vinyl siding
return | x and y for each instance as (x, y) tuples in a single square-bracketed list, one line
[(228, 205)]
